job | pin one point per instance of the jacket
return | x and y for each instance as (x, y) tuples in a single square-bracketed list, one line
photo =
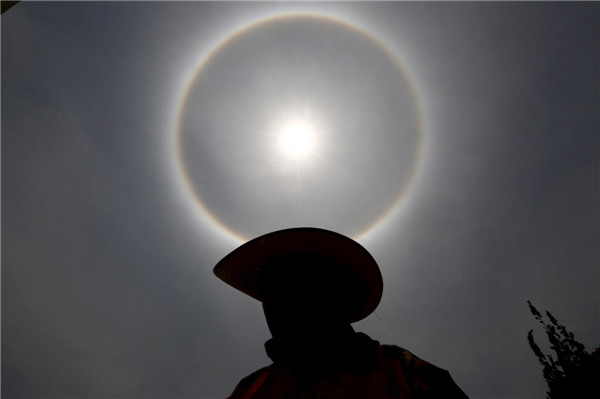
[(364, 370)]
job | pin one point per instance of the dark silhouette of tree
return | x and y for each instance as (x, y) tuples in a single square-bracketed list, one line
[(572, 373)]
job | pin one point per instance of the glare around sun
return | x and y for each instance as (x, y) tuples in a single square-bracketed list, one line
[(297, 139)]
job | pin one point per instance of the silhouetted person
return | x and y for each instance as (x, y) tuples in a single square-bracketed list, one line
[(313, 284)]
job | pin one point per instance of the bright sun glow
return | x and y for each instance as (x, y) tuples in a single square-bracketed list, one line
[(297, 139)]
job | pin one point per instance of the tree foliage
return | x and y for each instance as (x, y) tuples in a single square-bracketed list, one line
[(571, 369)]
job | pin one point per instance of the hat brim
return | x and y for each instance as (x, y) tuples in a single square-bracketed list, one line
[(239, 268)]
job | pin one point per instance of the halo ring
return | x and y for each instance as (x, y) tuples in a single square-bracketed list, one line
[(179, 158)]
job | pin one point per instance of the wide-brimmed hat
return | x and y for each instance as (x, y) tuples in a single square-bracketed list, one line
[(241, 268)]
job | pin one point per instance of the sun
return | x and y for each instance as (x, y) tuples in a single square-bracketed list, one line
[(297, 139)]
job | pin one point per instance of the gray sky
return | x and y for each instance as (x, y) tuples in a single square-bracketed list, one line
[(457, 141)]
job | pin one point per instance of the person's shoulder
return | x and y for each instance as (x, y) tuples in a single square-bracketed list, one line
[(433, 381), (408, 360), (393, 351), (402, 355), (250, 382)]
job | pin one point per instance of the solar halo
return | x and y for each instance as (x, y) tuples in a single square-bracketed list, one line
[(285, 148)]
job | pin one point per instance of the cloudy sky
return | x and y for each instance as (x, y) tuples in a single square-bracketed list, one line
[(143, 141)]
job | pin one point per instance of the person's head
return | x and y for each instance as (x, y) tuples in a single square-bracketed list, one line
[(306, 294), (309, 280)]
